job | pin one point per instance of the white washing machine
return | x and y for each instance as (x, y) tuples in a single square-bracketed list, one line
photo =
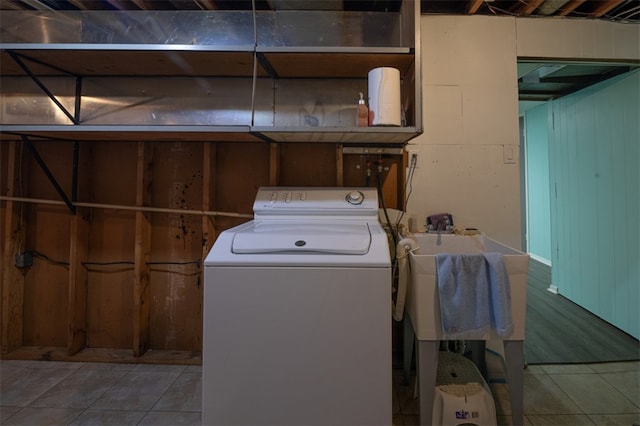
[(297, 313)]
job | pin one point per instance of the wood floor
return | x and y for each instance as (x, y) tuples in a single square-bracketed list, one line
[(558, 331)]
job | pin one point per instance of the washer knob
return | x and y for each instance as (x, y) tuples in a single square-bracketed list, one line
[(355, 197)]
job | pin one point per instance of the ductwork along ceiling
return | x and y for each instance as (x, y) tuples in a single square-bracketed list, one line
[(617, 10), (537, 81)]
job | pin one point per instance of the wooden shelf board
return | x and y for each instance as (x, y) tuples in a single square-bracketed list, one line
[(360, 135), (334, 65), (89, 61), (132, 133)]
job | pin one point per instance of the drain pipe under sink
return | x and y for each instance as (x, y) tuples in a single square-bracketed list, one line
[(403, 248)]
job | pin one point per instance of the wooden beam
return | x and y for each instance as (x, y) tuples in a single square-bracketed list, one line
[(605, 6), (528, 7), (339, 165), (14, 242), (78, 279), (209, 4), (123, 5), (473, 7), (569, 7), (143, 4), (82, 5), (142, 253), (274, 164), (13, 5), (208, 182)]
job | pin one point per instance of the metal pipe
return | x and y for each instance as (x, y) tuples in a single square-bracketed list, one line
[(131, 208)]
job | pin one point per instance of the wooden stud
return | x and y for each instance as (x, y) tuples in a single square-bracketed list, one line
[(606, 6), (208, 224), (569, 7), (391, 184), (474, 6), (274, 164), (527, 8), (14, 242), (142, 251), (78, 278), (339, 166)]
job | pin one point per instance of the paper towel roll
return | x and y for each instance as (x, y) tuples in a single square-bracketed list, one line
[(384, 96)]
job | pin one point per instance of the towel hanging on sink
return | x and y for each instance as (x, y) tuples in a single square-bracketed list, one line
[(474, 294)]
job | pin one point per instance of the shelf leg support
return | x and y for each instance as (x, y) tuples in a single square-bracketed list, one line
[(48, 173), (42, 86)]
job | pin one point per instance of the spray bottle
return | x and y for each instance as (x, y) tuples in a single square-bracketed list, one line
[(363, 112)]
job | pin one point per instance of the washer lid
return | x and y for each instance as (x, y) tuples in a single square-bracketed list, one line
[(303, 238)]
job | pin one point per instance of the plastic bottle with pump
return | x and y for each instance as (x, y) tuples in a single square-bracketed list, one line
[(363, 112)]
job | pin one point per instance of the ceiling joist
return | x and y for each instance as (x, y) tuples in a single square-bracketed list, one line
[(617, 10)]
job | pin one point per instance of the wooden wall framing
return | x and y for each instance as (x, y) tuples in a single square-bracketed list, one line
[(122, 279)]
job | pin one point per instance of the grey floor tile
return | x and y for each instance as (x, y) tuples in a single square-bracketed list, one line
[(193, 369), (615, 367), (7, 371), (185, 394), (6, 412), (615, 419), (11, 367), (78, 390), (42, 416), (500, 393), (171, 418), (109, 417), (57, 365), (156, 368), (543, 396), (627, 383), (135, 391), (108, 366), (593, 394), (21, 390), (560, 420), (567, 369), (507, 421), (534, 369)]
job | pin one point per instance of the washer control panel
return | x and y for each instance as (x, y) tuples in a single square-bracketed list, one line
[(315, 201)]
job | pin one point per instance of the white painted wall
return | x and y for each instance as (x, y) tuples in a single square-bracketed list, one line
[(470, 109)]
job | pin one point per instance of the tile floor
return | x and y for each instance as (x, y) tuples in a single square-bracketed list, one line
[(57, 393)]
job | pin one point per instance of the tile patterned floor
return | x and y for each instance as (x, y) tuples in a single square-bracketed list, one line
[(56, 393)]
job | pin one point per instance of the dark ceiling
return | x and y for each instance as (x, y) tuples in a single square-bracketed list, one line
[(537, 81), (617, 10)]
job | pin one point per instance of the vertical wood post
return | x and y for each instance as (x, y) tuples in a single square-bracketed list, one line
[(14, 242), (78, 252), (208, 182), (339, 166), (142, 252), (391, 185), (78, 279), (274, 164), (208, 222)]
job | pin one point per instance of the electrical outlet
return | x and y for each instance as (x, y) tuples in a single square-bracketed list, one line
[(24, 259)]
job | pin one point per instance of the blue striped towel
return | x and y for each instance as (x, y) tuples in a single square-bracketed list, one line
[(475, 295)]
